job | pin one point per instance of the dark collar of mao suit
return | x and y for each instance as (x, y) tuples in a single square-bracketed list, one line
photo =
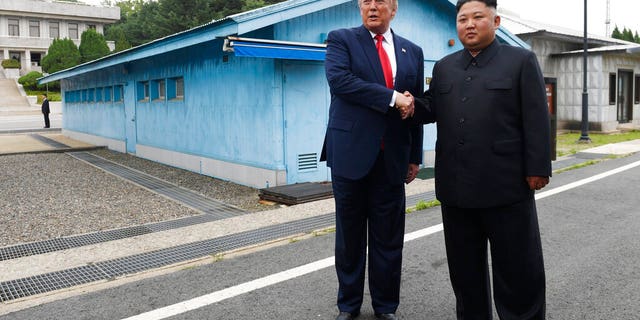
[(483, 58)]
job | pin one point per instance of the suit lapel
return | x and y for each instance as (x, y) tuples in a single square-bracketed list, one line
[(369, 48)]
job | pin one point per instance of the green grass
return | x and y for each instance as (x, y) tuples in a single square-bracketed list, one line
[(567, 143), (53, 96), (422, 205)]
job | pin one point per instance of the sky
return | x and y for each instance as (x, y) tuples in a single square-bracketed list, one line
[(570, 13), (567, 13)]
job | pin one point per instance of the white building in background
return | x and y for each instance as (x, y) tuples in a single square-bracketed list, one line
[(28, 27), (613, 74)]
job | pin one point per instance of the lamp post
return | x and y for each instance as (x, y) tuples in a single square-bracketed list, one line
[(584, 136)]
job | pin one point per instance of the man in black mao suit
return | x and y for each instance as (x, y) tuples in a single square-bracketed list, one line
[(372, 150), (45, 110), (492, 153)]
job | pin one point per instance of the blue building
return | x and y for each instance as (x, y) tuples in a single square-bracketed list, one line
[(243, 98)]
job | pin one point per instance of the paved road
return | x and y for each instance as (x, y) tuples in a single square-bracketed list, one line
[(28, 122), (590, 238)]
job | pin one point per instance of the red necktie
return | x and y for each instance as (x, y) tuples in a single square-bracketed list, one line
[(384, 60)]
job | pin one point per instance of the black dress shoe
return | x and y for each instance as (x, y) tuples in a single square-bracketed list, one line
[(346, 316), (386, 316)]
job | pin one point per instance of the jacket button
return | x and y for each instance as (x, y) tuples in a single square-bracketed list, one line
[(464, 99), (461, 120), (468, 79)]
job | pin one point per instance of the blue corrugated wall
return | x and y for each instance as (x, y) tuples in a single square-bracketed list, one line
[(259, 112)]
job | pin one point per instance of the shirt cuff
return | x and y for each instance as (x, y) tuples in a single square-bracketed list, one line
[(392, 104)]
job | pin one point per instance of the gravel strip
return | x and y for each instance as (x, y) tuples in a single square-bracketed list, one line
[(228, 192), (45, 196)]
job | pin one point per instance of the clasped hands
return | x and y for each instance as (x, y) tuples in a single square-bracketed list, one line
[(405, 103)]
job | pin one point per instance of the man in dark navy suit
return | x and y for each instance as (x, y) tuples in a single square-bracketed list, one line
[(372, 150), (492, 153)]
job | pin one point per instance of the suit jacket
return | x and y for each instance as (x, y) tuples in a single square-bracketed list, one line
[(45, 106), (493, 126), (360, 116)]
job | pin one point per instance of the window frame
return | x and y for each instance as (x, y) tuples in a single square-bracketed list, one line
[(76, 29), (142, 91), (636, 88), (56, 28), (34, 28), (13, 30), (613, 93)]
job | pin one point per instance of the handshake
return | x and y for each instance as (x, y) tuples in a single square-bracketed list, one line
[(405, 103)]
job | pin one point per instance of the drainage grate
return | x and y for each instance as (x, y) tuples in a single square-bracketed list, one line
[(14, 289), (104, 236), (34, 248), (29, 249), (50, 142), (189, 198)]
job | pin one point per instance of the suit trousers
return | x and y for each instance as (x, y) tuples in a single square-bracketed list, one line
[(516, 261), (372, 210), (47, 124)]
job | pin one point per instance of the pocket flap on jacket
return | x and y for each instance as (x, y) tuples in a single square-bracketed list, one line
[(444, 87), (507, 146), (501, 84), (340, 124)]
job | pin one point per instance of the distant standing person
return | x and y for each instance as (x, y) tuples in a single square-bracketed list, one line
[(46, 110), (492, 153)]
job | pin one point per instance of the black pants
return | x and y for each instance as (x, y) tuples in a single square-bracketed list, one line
[(47, 124), (369, 210), (516, 258)]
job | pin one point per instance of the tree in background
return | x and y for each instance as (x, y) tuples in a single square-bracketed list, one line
[(144, 21), (92, 46), (119, 37), (63, 54), (626, 35), (616, 34)]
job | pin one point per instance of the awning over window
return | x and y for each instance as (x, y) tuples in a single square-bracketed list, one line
[(260, 48)]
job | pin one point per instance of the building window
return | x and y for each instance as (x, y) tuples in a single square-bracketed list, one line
[(91, 26), (612, 88), (118, 93), (73, 31), (158, 92), (636, 98), (34, 28), (91, 93), (14, 27), (99, 92), (175, 88), (54, 30), (143, 91), (162, 89), (108, 96)]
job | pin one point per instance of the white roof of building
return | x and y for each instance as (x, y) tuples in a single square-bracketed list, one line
[(519, 26)]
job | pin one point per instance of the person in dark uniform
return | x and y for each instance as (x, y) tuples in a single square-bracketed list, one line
[(372, 149), (46, 111), (492, 153)]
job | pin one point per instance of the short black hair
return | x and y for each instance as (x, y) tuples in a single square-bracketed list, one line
[(489, 3), (44, 94)]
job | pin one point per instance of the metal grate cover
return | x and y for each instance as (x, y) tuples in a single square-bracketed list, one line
[(50, 142), (184, 196), (14, 289), (34, 248)]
